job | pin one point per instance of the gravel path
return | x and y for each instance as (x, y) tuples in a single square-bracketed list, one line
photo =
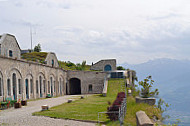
[(23, 116)]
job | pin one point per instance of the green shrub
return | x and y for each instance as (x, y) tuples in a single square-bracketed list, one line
[(146, 88)]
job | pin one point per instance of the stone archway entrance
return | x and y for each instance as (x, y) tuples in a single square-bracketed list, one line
[(74, 86)]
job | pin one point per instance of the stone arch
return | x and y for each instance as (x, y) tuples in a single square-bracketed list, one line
[(15, 77), (51, 84), (29, 85), (41, 84), (61, 85), (107, 67), (74, 86)]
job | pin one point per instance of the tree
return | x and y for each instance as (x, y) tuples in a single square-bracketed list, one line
[(37, 48), (120, 68), (81, 66), (146, 88)]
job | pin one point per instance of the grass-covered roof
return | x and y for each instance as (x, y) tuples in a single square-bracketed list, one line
[(35, 56)]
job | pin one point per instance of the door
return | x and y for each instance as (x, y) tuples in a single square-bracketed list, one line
[(27, 95), (14, 86)]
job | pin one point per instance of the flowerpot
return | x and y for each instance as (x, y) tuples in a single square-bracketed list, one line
[(24, 102), (150, 101), (17, 105)]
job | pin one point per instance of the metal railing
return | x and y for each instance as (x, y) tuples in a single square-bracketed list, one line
[(122, 109)]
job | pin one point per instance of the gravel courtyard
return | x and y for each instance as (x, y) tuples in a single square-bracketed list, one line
[(23, 116)]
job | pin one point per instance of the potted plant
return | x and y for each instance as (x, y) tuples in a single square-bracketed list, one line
[(17, 104), (147, 96), (23, 102)]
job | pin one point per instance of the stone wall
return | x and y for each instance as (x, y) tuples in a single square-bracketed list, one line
[(37, 76), (9, 42), (51, 56), (102, 63), (21, 79), (96, 79)]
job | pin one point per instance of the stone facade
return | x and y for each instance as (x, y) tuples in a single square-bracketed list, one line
[(9, 46), (21, 79), (105, 65), (29, 80), (51, 59), (90, 81)]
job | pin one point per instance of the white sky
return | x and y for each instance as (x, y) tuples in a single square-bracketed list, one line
[(132, 31)]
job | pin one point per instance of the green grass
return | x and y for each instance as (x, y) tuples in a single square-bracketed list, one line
[(35, 56), (66, 66), (88, 108)]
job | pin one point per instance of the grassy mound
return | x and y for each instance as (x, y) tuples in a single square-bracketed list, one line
[(35, 56)]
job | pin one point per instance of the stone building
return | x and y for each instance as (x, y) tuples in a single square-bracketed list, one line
[(23, 79), (9, 46), (105, 65)]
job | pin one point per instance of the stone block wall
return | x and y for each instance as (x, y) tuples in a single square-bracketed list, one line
[(37, 76), (9, 42), (96, 79), (102, 63)]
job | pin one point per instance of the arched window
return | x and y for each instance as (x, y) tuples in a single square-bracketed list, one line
[(107, 68), (52, 62), (90, 88)]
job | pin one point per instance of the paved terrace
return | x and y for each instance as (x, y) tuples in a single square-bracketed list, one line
[(23, 116)]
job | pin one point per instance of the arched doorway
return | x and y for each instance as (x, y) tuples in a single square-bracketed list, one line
[(27, 88), (42, 85), (107, 68), (14, 83), (14, 86), (74, 86)]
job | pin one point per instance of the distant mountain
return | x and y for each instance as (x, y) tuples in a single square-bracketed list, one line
[(172, 78), (165, 72)]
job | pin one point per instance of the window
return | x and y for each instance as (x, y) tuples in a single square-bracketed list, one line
[(19, 86), (52, 63), (54, 86), (40, 84), (90, 88), (51, 84), (0, 87), (10, 53), (44, 86), (37, 86), (48, 87), (31, 86), (8, 87)]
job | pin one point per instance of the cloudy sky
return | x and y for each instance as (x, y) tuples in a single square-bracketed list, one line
[(132, 31)]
